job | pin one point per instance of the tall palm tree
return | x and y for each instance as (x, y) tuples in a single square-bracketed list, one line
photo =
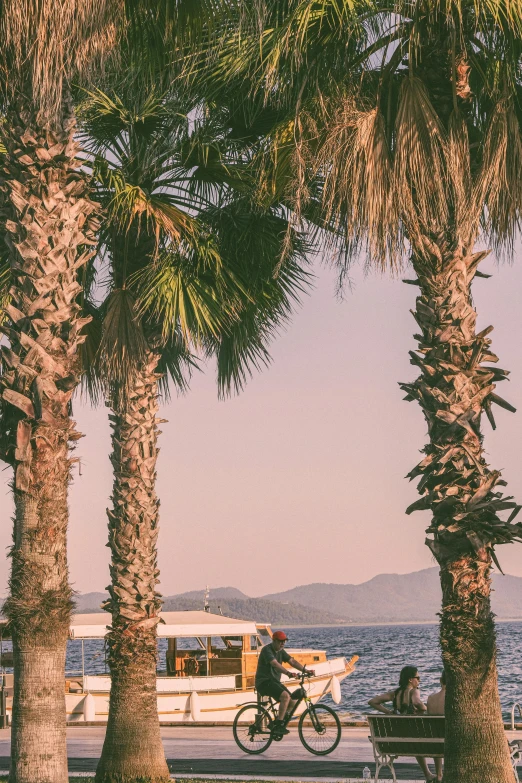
[(49, 224), (191, 265), (414, 140)]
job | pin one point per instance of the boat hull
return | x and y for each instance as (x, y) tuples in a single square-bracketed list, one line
[(196, 700)]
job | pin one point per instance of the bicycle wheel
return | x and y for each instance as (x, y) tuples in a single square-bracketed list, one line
[(320, 729), (251, 728)]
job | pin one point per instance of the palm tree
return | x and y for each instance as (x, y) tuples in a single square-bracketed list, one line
[(50, 227), (49, 224), (414, 140), (187, 273)]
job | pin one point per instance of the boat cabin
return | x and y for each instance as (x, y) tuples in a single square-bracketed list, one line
[(201, 644)]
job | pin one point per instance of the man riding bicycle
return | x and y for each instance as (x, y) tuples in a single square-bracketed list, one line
[(268, 677)]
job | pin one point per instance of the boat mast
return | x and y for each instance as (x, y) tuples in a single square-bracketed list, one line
[(206, 605)]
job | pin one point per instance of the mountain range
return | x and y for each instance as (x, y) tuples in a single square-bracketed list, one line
[(411, 597)]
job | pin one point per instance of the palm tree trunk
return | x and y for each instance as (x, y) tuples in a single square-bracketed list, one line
[(45, 209), (462, 493), (133, 750)]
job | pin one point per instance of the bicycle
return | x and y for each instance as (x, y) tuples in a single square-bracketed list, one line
[(319, 725)]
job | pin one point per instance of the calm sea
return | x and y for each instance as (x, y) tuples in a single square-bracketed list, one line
[(383, 651)]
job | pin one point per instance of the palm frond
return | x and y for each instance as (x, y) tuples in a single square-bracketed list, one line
[(46, 43), (177, 293), (92, 386), (467, 214), (250, 242), (358, 193), (499, 186), (244, 347), (420, 148), (6, 282), (176, 365)]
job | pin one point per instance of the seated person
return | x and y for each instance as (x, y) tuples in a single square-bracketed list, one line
[(435, 705), (268, 677), (406, 700)]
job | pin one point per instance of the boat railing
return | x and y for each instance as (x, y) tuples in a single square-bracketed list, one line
[(513, 708)]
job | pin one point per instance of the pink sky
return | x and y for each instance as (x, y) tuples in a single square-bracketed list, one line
[(301, 478)]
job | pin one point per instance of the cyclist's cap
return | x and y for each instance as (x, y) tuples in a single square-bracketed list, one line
[(280, 636)]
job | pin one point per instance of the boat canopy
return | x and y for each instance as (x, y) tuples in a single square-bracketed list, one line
[(174, 624)]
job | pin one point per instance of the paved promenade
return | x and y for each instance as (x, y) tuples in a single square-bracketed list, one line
[(201, 751)]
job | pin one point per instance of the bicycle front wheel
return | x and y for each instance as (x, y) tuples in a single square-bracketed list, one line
[(320, 729), (252, 728)]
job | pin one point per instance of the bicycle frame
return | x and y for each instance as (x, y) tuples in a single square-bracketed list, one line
[(272, 706)]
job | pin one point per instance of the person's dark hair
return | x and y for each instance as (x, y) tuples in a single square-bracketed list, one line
[(443, 677), (407, 673)]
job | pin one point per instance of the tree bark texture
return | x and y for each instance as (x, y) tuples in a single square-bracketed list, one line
[(50, 225), (133, 750), (462, 493)]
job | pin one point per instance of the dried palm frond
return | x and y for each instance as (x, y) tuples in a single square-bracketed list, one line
[(358, 182), (6, 282), (421, 181), (499, 185), (122, 345), (458, 161), (497, 12), (44, 44)]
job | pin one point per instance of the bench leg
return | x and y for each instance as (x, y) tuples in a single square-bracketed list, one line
[(384, 761)]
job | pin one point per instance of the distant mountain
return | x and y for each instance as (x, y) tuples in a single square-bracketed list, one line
[(385, 598), (396, 597), (258, 609), (90, 602)]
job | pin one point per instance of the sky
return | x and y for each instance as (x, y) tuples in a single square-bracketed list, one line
[(299, 479)]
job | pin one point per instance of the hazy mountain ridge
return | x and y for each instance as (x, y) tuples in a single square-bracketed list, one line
[(258, 609), (385, 598), (397, 597)]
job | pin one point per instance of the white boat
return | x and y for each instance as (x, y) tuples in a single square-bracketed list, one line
[(209, 669)]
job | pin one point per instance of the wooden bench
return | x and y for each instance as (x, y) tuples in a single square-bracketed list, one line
[(405, 735), (415, 735)]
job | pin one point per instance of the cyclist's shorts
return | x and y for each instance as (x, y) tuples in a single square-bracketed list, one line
[(271, 688)]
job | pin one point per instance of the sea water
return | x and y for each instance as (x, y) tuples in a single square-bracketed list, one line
[(383, 651)]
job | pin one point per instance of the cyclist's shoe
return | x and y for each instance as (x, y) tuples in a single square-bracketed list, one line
[(279, 730)]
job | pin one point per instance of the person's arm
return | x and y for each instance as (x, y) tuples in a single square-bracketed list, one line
[(301, 667), (280, 668), (416, 700), (378, 702)]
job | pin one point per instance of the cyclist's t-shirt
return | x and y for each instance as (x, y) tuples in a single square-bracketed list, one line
[(265, 670)]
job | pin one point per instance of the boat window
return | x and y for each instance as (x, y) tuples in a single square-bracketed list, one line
[(264, 636), (233, 642), (254, 642), (190, 643)]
